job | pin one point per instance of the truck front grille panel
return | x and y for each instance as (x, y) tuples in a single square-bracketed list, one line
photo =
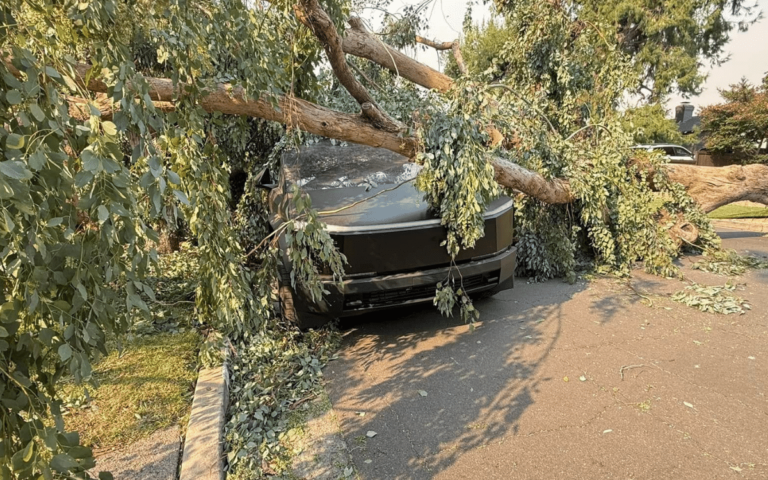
[(422, 292)]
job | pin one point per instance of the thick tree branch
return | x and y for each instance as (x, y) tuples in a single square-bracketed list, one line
[(290, 111), (711, 187), (459, 58), (360, 43), (454, 45), (321, 25), (434, 44), (80, 107), (512, 175)]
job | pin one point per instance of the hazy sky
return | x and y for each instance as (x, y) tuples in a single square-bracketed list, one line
[(749, 50)]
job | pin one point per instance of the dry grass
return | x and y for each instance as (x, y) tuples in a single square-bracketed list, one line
[(148, 387)]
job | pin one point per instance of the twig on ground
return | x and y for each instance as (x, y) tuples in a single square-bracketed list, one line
[(296, 404), (628, 367)]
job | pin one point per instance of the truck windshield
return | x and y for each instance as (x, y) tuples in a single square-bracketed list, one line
[(323, 166)]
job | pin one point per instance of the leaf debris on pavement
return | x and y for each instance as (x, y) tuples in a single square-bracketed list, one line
[(712, 299)]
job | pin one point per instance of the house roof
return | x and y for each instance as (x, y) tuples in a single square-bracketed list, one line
[(688, 125)]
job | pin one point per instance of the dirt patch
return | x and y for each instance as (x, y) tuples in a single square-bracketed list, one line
[(153, 458), (323, 453)]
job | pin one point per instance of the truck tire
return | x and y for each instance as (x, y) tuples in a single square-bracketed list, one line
[(304, 321), (285, 293)]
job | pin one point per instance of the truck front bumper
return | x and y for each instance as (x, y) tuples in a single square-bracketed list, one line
[(358, 295)]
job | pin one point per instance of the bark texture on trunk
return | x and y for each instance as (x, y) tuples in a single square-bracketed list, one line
[(360, 43), (321, 25), (713, 187), (514, 176)]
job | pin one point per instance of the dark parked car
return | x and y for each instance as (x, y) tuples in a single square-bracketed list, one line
[(391, 239)]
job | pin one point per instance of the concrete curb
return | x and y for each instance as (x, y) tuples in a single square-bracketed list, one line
[(747, 225), (203, 457)]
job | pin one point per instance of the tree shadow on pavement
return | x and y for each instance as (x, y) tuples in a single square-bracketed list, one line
[(432, 388)]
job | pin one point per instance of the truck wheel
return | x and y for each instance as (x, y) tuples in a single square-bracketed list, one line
[(287, 306), (285, 293)]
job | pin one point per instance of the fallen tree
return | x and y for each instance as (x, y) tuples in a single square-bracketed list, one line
[(710, 187), (120, 115)]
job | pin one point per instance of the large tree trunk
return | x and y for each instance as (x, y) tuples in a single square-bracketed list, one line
[(713, 187)]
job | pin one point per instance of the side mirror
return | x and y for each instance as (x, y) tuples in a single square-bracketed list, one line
[(264, 180)]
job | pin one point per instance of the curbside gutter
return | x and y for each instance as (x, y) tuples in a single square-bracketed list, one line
[(759, 225), (203, 457)]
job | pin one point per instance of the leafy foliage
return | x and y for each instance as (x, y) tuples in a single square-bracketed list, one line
[(272, 375), (663, 40), (71, 231), (712, 299), (450, 294), (667, 39), (556, 104), (651, 125), (728, 262), (457, 179), (78, 191), (740, 124), (80, 186)]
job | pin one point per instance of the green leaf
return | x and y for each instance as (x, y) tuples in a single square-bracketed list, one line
[(15, 169), (109, 128), (103, 213), (83, 292), (181, 196), (51, 72), (28, 451), (80, 452), (56, 221), (8, 222), (13, 97), (173, 177), (37, 160), (37, 112), (91, 162), (14, 141), (63, 463), (83, 178), (65, 352)]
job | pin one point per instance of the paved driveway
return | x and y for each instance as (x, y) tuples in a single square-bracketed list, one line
[(607, 379)]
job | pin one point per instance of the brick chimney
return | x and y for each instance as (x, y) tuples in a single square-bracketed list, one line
[(683, 112)]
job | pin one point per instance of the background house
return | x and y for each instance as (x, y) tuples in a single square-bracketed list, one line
[(688, 124), (686, 121)]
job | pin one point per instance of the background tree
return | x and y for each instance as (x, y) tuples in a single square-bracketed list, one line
[(740, 124), (665, 41), (649, 124), (668, 39)]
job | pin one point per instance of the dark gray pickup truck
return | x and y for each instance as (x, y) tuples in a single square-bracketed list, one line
[(389, 236)]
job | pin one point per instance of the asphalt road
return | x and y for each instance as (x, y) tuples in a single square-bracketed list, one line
[(601, 379)]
